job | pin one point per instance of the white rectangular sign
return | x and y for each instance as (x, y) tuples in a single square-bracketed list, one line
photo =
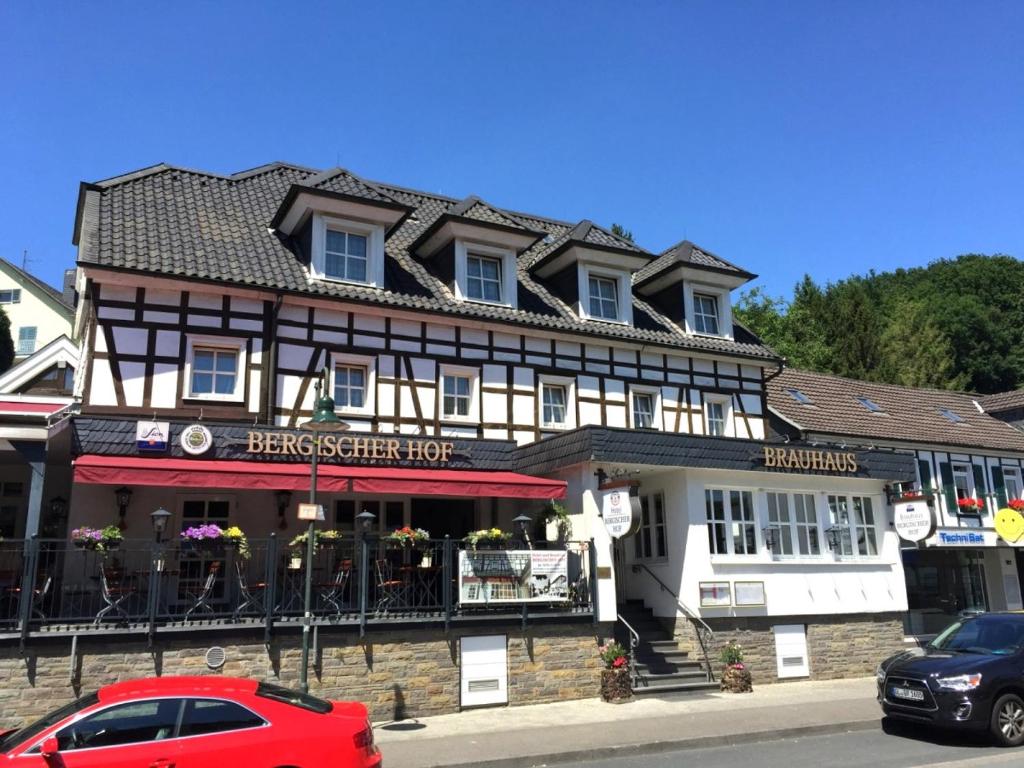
[(311, 512), (513, 576)]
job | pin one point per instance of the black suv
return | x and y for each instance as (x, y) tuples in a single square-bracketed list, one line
[(970, 676)]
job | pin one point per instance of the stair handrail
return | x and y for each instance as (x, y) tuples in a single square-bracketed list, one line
[(634, 641), (704, 632)]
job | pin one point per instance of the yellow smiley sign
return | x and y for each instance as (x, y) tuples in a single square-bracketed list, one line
[(1010, 525)]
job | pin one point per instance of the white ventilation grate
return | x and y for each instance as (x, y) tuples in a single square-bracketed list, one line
[(215, 657), (476, 686)]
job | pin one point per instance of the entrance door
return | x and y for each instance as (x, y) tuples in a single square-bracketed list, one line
[(451, 517), (941, 583), (621, 567)]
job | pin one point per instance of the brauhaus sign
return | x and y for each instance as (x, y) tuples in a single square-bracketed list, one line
[(383, 449), (810, 459)]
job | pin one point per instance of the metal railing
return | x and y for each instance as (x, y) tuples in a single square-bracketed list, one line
[(704, 633), (49, 584), (634, 641)]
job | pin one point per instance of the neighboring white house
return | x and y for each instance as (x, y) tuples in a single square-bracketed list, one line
[(39, 313)]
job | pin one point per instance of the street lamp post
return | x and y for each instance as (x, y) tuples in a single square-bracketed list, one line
[(324, 420)]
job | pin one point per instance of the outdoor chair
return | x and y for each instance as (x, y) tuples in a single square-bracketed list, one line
[(332, 592), (253, 593), (201, 601), (39, 593), (114, 592), (390, 589)]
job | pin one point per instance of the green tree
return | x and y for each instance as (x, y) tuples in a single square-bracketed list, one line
[(853, 331), (6, 342), (915, 352), (620, 231)]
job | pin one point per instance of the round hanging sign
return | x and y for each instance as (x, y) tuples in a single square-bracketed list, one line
[(621, 512), (196, 439), (913, 520)]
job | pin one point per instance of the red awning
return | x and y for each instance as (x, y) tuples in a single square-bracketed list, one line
[(20, 406), (265, 476)]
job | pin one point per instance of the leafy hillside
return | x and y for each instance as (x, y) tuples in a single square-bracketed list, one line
[(956, 324)]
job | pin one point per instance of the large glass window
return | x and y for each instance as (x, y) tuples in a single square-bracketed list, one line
[(457, 395), (795, 524), (26, 340), (345, 256), (732, 527), (643, 410), (604, 304), (553, 405), (705, 313), (853, 524), (350, 386), (214, 371), (650, 541), (483, 278), (1011, 479)]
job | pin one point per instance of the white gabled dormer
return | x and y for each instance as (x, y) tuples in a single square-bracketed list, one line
[(592, 270), (473, 248), (693, 287)]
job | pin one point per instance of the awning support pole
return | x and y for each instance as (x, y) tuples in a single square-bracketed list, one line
[(28, 588), (446, 580), (364, 582), (270, 567)]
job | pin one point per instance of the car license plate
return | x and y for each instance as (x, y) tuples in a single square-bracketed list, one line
[(907, 693)]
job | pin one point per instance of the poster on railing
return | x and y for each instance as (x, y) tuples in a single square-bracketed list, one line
[(513, 576)]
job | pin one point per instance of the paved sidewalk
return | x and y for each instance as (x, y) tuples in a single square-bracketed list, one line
[(520, 737)]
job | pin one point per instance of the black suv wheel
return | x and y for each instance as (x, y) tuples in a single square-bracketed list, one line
[(1007, 723)]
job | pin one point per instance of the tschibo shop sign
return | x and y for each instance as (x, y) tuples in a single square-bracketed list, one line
[(620, 510), (809, 459), (384, 449)]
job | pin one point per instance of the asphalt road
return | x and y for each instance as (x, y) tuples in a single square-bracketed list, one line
[(896, 746)]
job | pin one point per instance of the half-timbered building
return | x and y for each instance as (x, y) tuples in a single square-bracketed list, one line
[(487, 363)]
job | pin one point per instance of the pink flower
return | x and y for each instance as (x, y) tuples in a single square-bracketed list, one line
[(737, 665), (619, 662)]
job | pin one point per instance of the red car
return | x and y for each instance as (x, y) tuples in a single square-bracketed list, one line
[(196, 722)]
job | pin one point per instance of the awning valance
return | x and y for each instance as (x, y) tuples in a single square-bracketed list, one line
[(266, 476)]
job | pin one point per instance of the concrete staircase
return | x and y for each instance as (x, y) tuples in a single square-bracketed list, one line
[(663, 669)]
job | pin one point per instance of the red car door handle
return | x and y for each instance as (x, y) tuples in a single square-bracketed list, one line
[(162, 764)]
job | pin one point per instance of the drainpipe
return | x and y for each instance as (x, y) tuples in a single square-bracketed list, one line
[(268, 386)]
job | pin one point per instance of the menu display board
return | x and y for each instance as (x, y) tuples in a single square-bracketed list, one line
[(715, 594)]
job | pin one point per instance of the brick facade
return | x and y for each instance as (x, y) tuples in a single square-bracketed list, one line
[(838, 646), (396, 674)]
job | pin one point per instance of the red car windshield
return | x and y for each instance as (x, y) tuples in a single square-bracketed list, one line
[(295, 698), (29, 732)]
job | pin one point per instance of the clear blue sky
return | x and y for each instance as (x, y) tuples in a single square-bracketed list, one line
[(788, 137)]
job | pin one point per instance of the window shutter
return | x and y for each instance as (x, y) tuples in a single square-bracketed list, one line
[(948, 487), (999, 484), (980, 485), (924, 470)]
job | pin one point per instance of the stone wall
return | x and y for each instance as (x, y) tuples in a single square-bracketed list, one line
[(397, 674), (838, 646)]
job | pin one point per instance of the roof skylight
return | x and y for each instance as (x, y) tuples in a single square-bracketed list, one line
[(871, 405), (953, 417), (799, 396)]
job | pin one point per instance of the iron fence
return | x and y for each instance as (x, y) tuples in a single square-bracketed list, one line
[(48, 584)]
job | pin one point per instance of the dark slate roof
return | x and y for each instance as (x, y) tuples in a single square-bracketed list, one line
[(212, 227), (690, 255), (43, 287), (913, 415), (668, 449), (1003, 401)]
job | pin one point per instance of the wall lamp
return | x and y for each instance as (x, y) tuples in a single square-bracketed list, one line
[(124, 498), (284, 500)]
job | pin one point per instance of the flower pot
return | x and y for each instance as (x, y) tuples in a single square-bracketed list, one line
[(615, 685), (736, 679), (109, 544), (491, 544)]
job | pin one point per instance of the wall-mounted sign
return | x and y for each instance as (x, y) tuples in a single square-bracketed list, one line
[(1010, 525), (152, 435), (620, 510), (715, 594), (749, 593), (384, 449), (809, 460), (311, 512), (963, 537), (513, 576), (196, 440), (914, 520)]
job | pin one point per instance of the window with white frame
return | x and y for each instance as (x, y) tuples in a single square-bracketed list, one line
[(853, 524), (215, 368), (650, 542), (26, 340), (963, 481), (483, 278), (793, 521), (1011, 479), (349, 386), (716, 414), (643, 410), (705, 313), (554, 404), (349, 251), (10, 296), (602, 296), (459, 393), (732, 528)]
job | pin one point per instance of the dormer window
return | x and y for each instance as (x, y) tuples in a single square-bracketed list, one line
[(604, 302), (705, 313), (485, 273), (347, 251)]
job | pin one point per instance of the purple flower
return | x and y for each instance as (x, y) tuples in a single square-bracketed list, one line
[(202, 532)]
